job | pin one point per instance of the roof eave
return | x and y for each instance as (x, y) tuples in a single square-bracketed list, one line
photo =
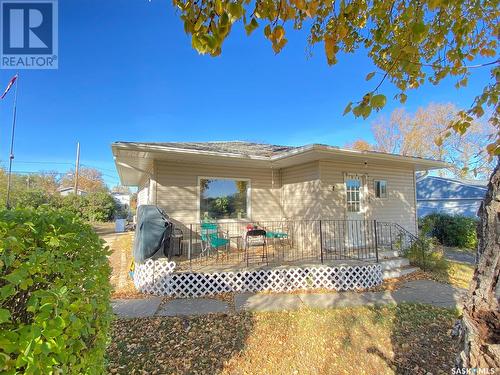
[(175, 150), (312, 151), (419, 163)]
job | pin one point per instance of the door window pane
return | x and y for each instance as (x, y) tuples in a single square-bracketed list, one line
[(353, 187)]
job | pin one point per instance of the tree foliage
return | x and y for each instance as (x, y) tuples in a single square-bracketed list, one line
[(410, 42), (360, 145), (89, 180), (43, 181), (410, 134), (41, 189)]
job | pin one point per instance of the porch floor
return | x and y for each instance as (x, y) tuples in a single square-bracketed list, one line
[(235, 260)]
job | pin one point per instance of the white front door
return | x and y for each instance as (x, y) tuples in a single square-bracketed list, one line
[(354, 210)]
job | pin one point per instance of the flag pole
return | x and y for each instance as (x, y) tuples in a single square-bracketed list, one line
[(11, 155)]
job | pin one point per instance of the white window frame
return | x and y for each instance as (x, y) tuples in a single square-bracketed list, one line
[(249, 193), (375, 189)]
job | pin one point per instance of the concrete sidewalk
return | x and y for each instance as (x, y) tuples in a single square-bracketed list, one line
[(418, 291), (460, 256)]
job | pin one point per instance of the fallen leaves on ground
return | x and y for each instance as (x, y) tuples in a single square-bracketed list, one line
[(120, 260), (408, 338), (396, 283)]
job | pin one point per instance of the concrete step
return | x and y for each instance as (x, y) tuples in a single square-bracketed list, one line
[(390, 263), (398, 272), (388, 254)]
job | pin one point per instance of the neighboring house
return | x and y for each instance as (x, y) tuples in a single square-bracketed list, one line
[(123, 199), (449, 196), (318, 207), (70, 190)]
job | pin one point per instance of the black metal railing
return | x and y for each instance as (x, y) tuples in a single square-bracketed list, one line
[(290, 242), (392, 236)]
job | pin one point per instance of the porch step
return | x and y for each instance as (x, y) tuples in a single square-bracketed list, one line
[(398, 272), (392, 263), (388, 254)]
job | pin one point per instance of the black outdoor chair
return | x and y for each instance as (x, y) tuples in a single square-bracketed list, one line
[(254, 238)]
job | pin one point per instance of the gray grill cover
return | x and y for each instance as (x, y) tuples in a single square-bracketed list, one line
[(152, 233)]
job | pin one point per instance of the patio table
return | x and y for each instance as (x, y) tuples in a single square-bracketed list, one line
[(280, 235)]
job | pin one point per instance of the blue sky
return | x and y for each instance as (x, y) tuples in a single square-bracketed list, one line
[(127, 72)]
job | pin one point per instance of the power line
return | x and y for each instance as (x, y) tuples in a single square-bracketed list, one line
[(102, 169), (37, 162), (63, 163), (112, 179), (105, 176), (60, 163), (40, 172)]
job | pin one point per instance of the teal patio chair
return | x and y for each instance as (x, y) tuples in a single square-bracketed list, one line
[(280, 235), (212, 238)]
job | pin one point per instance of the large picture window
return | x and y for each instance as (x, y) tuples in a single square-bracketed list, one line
[(223, 198)]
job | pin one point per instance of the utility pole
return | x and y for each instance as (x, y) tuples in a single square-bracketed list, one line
[(77, 165)]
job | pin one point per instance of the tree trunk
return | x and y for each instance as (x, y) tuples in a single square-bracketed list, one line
[(480, 324)]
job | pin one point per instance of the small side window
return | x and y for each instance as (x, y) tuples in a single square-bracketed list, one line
[(380, 189)]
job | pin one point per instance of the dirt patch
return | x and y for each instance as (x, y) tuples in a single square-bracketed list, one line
[(104, 228), (120, 259)]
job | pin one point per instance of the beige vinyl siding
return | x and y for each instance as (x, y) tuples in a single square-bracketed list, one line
[(398, 207), (177, 190), (314, 190), (301, 189)]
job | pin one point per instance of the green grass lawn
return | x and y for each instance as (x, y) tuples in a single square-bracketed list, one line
[(456, 273), (400, 339)]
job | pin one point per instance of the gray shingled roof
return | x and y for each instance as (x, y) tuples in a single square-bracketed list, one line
[(434, 187), (236, 147)]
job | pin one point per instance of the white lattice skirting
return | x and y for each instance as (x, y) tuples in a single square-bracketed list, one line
[(158, 277)]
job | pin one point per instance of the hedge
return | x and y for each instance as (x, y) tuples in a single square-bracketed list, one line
[(458, 231), (54, 294), (93, 207)]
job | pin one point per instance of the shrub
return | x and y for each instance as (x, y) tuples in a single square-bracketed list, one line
[(426, 254), (54, 294), (33, 199), (458, 231), (95, 206), (99, 206)]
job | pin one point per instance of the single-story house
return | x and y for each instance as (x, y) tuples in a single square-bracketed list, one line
[(449, 196), (122, 199), (328, 217), (273, 182), (70, 190)]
